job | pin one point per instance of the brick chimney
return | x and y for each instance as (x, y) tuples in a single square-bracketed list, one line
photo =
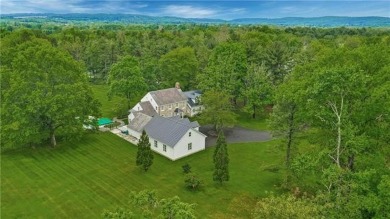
[(177, 85)]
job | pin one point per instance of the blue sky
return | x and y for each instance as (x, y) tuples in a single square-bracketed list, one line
[(204, 9)]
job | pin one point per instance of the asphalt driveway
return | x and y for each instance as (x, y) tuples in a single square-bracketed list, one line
[(236, 135)]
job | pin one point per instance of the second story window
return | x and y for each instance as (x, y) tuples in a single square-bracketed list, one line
[(155, 143), (189, 146), (189, 134), (164, 147)]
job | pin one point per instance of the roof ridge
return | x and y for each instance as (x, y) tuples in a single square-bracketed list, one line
[(178, 121), (163, 89)]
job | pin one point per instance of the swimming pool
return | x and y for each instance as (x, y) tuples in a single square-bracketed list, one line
[(104, 121)]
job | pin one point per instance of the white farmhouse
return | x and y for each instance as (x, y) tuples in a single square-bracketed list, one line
[(168, 102), (173, 137)]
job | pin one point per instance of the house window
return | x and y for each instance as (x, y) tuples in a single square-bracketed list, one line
[(156, 108), (164, 147), (155, 143), (189, 134), (189, 146)]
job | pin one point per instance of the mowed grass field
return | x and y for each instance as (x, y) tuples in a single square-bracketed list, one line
[(107, 105), (80, 180)]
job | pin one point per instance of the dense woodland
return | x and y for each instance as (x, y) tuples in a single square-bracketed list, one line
[(325, 92)]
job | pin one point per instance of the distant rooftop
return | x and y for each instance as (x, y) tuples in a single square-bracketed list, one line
[(167, 96), (192, 96)]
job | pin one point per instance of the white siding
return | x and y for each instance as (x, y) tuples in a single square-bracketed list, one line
[(137, 107), (180, 150), (148, 97), (197, 139), (169, 153), (130, 117), (134, 133)]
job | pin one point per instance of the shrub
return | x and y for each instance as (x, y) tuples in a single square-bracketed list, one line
[(192, 181), (186, 168)]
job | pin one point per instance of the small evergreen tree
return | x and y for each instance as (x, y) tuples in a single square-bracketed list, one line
[(221, 160), (220, 141), (186, 168), (144, 153)]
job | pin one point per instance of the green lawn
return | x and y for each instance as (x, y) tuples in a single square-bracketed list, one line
[(108, 107), (80, 180), (245, 120)]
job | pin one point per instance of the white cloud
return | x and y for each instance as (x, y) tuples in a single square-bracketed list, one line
[(238, 10), (69, 6), (188, 11)]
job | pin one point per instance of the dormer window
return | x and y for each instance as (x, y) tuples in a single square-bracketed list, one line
[(189, 134)]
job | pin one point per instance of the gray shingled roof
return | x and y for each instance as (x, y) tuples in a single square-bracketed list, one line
[(147, 108), (167, 96), (169, 130), (192, 95), (139, 122)]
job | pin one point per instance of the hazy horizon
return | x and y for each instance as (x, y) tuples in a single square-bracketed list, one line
[(226, 10)]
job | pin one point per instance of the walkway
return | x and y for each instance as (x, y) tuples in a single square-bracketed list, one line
[(128, 138)]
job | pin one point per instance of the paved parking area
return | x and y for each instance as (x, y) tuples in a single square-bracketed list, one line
[(236, 135)]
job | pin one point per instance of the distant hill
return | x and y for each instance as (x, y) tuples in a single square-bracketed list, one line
[(319, 21), (143, 19)]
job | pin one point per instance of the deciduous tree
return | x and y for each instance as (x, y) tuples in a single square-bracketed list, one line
[(179, 65), (257, 90), (226, 70), (45, 93), (218, 109), (125, 79)]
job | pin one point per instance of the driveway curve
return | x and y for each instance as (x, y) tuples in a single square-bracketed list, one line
[(236, 135)]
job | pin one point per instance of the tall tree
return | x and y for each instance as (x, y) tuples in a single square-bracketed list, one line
[(179, 65), (277, 61), (286, 118), (45, 93), (221, 160), (125, 79), (218, 109), (257, 90), (144, 153), (226, 70)]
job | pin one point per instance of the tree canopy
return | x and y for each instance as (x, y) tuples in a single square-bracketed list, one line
[(125, 79), (44, 93)]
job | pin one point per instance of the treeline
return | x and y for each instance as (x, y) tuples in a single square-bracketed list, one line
[(99, 47)]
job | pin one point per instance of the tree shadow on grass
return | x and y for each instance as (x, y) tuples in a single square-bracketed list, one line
[(46, 151)]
